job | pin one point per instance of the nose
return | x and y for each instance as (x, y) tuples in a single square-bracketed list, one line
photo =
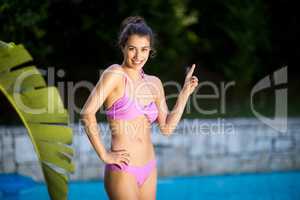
[(137, 54)]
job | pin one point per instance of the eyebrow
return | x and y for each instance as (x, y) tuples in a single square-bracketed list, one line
[(137, 47)]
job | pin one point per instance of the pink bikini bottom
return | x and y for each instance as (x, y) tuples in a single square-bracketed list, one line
[(140, 173)]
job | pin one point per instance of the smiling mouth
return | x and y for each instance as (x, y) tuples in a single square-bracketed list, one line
[(137, 62)]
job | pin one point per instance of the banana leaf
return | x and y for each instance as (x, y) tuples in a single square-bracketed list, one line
[(43, 114)]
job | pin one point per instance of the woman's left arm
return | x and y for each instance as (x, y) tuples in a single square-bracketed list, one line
[(168, 121)]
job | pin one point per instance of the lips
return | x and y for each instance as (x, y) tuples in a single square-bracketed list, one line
[(137, 62)]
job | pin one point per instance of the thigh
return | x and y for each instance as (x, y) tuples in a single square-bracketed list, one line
[(120, 185), (148, 189)]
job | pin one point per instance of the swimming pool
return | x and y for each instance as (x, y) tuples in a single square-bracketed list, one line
[(264, 186)]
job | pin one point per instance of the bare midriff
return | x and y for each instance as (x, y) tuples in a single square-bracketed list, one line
[(135, 137)]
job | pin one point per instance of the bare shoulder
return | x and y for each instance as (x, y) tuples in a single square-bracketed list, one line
[(154, 80), (113, 72), (114, 69)]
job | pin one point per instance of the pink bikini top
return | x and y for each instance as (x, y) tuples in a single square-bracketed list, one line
[(125, 109)]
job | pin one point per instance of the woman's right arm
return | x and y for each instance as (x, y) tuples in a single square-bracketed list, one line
[(108, 81)]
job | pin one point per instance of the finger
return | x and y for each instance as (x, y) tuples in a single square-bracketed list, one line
[(119, 165), (194, 77), (118, 150), (194, 80), (125, 159), (190, 71), (125, 163), (125, 154), (195, 85)]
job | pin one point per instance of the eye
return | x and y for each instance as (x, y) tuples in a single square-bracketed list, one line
[(145, 49), (130, 48)]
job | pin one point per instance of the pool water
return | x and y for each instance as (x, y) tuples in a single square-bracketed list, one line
[(264, 186)]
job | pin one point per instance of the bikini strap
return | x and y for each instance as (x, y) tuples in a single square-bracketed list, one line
[(142, 73)]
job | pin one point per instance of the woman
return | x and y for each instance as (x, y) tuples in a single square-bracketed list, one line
[(133, 100)]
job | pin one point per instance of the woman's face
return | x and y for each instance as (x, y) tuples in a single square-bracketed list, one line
[(136, 51)]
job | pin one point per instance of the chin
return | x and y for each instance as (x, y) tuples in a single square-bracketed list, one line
[(137, 66)]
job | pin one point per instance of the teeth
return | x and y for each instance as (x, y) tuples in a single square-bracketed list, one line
[(137, 62)]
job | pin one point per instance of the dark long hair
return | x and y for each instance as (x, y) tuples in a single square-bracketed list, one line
[(135, 25)]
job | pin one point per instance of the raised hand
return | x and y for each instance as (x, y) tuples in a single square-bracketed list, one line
[(190, 82)]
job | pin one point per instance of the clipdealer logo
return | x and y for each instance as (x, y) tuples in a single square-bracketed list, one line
[(279, 122)]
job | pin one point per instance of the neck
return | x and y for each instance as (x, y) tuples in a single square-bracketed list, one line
[(134, 74)]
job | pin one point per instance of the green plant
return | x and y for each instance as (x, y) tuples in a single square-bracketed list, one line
[(48, 130)]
